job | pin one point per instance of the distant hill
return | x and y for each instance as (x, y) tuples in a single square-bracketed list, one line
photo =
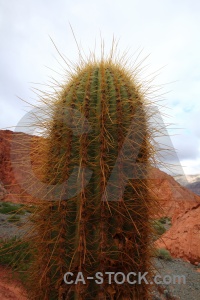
[(191, 182)]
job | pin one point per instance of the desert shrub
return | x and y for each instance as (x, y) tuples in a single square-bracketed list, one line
[(10, 208), (14, 219), (163, 220), (163, 254), (169, 220), (158, 227)]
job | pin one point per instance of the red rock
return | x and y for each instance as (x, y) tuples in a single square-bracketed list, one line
[(15, 192), (183, 238), (174, 199)]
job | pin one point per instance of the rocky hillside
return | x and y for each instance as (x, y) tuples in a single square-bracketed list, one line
[(191, 182), (183, 238), (10, 189), (174, 199)]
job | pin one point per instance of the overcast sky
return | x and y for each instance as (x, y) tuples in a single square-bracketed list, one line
[(168, 30)]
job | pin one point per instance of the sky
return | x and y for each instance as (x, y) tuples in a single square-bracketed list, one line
[(166, 31)]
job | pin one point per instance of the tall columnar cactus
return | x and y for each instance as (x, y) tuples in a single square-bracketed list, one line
[(106, 225)]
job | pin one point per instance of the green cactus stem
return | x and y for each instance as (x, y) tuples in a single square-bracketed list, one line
[(106, 226)]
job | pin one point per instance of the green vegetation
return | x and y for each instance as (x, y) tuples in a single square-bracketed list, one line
[(11, 208), (158, 227), (165, 220), (163, 254), (15, 254), (13, 251), (14, 219)]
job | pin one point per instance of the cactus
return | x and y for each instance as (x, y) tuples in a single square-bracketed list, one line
[(106, 226)]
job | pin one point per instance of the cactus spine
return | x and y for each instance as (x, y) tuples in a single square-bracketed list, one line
[(83, 233)]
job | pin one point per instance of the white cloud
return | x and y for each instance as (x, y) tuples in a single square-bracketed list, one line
[(168, 30)]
